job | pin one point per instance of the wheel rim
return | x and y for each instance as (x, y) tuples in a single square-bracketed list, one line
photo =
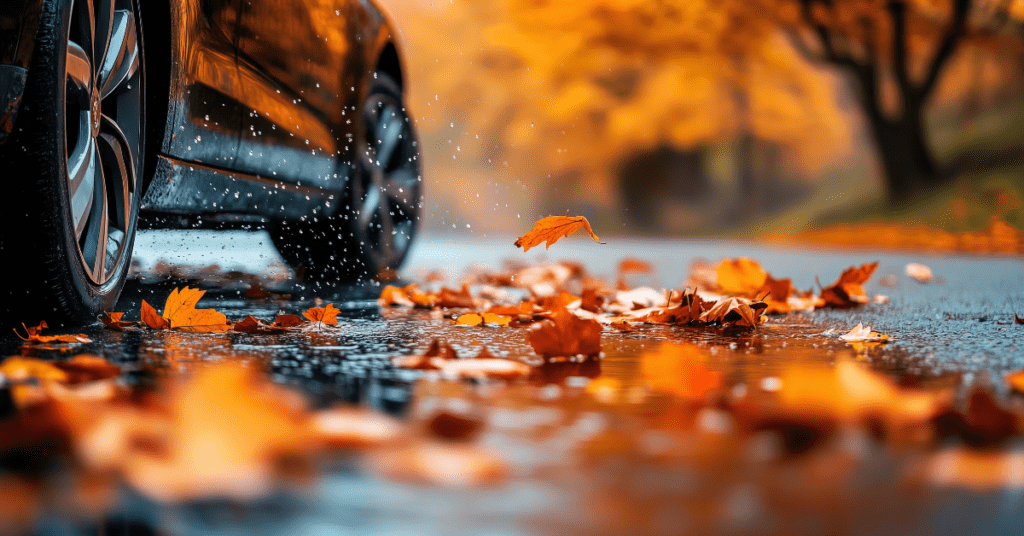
[(389, 186), (103, 131)]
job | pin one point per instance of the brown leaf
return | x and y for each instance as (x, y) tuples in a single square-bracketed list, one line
[(689, 311), (565, 334), (288, 321), (113, 321), (251, 324), (734, 312), (181, 314), (848, 290), (323, 315), (455, 299), (33, 336), (553, 228), (480, 368), (153, 318), (777, 292), (1017, 320)]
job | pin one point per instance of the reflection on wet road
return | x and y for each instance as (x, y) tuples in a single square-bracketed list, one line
[(586, 450)]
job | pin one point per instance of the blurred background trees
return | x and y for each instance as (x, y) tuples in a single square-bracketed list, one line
[(699, 116)]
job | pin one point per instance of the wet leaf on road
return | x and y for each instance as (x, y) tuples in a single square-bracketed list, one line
[(33, 336), (848, 291), (565, 334), (323, 315)]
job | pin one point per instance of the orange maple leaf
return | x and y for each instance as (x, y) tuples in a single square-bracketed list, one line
[(565, 334), (323, 315), (113, 321), (180, 313), (553, 228), (777, 292)]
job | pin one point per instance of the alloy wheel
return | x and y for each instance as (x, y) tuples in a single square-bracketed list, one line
[(389, 187), (103, 131)]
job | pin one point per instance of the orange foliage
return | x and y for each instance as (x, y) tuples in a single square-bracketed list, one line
[(33, 335), (180, 313)]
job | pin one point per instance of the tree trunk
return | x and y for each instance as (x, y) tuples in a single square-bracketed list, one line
[(907, 160)]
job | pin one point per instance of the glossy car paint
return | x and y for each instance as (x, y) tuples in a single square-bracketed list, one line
[(261, 98)]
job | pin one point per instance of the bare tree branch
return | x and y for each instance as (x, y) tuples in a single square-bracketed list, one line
[(950, 40)]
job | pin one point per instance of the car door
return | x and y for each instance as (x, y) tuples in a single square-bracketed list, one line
[(290, 58), (207, 117)]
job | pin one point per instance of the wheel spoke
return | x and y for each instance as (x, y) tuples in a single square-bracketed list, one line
[(115, 153), (403, 192), (82, 182), (87, 27), (122, 55), (389, 132), (371, 204), (94, 244), (103, 33), (387, 228), (79, 73)]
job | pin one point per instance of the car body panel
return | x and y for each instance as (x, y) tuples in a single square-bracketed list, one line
[(19, 20), (262, 100)]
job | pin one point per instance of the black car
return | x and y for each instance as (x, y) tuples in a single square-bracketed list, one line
[(288, 114)]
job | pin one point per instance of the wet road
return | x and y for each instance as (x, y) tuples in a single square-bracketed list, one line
[(567, 477)]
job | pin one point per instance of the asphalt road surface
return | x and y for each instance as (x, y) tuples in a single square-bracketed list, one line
[(955, 333)]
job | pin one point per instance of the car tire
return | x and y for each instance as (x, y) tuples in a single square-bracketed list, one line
[(70, 212), (372, 234)]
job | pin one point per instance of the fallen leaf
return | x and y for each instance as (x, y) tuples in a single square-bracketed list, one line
[(392, 295), (323, 315), (445, 464), (734, 312), (33, 336), (181, 314), (475, 319), (113, 321), (482, 368), (152, 318), (848, 290), (777, 293), (24, 368), (565, 334), (553, 228), (1017, 320), (288, 321), (920, 272), (864, 334), (224, 432), (455, 299), (689, 310), (678, 369), (251, 324), (740, 277), (350, 427), (429, 360)]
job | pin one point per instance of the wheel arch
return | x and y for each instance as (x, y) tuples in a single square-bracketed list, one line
[(157, 38)]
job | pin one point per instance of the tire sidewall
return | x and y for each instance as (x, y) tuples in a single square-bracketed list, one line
[(45, 196)]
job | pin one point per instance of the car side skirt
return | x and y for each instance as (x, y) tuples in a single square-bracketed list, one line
[(180, 187)]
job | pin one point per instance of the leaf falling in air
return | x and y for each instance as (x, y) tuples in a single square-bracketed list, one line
[(553, 228)]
